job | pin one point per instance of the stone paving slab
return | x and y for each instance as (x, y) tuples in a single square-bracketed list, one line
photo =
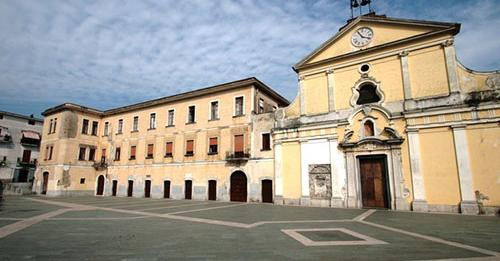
[(94, 214), (158, 239), (229, 231), (480, 231), (251, 213), (17, 207)]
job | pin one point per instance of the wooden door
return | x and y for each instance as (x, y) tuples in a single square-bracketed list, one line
[(212, 190), (100, 185), (130, 188), (166, 189), (147, 189), (238, 187), (45, 182), (267, 191), (188, 189), (373, 182), (114, 188)]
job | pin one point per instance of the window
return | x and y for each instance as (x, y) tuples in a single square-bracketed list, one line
[(82, 181), (367, 94), (95, 126), (152, 121), (1, 116), (48, 152), (266, 141), (31, 122), (50, 126), (26, 156), (369, 129), (214, 110), (212, 147), (81, 154), (47, 149), (169, 149), (261, 105), (132, 152), (189, 147), (275, 108), (55, 125), (191, 114), (106, 128), (238, 106), (238, 145), (135, 125), (85, 126), (150, 151), (103, 155), (117, 153), (120, 127), (92, 154), (170, 119)]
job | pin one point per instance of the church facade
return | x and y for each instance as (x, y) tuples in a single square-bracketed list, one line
[(387, 117)]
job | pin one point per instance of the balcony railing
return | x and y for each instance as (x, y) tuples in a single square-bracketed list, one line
[(25, 162), (100, 165), (238, 156)]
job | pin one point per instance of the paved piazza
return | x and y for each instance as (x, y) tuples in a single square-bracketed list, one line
[(105, 228)]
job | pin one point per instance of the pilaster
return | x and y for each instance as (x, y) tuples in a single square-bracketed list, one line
[(331, 90), (419, 201), (338, 176), (302, 96), (304, 175), (352, 192), (451, 66), (278, 177), (468, 204)]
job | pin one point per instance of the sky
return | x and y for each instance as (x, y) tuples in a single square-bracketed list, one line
[(105, 54)]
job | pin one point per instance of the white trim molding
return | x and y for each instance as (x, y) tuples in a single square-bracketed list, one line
[(419, 200)]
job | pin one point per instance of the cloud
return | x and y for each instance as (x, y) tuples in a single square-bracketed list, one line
[(110, 53)]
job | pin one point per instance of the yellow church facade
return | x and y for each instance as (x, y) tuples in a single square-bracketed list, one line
[(387, 117)]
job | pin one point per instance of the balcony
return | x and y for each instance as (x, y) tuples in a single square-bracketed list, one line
[(27, 162), (238, 156), (100, 165)]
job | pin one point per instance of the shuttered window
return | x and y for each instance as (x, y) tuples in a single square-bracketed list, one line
[(81, 154), (132, 152), (117, 153), (238, 144), (213, 147), (150, 151), (189, 148), (92, 154), (103, 155), (169, 149)]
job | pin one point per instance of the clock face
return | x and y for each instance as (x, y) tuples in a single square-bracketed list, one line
[(362, 37)]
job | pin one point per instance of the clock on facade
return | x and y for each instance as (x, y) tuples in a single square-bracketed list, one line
[(362, 37)]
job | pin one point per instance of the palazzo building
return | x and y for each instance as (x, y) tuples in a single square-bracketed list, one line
[(387, 117), (19, 148), (208, 144)]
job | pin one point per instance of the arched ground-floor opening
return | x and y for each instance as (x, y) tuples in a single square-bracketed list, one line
[(45, 182), (238, 191), (212, 190), (267, 191), (166, 189), (130, 188), (188, 189), (147, 189), (114, 188), (100, 185)]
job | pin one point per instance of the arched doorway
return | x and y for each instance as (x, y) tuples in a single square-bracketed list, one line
[(188, 189), (212, 190), (45, 182), (147, 189), (238, 186), (114, 188), (166, 189), (130, 188), (267, 191), (100, 185)]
